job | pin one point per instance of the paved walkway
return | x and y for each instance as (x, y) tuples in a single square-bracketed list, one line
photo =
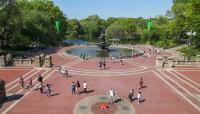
[(169, 91)]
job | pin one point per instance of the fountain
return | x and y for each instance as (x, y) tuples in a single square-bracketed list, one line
[(103, 46), (101, 50)]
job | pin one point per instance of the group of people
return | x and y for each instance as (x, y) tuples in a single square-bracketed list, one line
[(83, 56), (132, 92), (113, 58), (42, 87), (22, 83), (76, 87), (113, 95), (102, 64)]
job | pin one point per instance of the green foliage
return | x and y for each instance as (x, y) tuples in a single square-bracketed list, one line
[(123, 28), (28, 23), (191, 51)]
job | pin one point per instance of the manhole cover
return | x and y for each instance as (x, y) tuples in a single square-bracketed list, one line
[(82, 107), (125, 108)]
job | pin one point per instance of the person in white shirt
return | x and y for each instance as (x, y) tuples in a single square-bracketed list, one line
[(111, 95), (139, 97), (113, 59), (84, 87)]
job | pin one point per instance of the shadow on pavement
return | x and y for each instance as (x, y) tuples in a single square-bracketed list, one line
[(14, 97), (90, 91), (54, 94)]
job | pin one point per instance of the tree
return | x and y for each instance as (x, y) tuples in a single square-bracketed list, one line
[(8, 10), (123, 29), (92, 26)]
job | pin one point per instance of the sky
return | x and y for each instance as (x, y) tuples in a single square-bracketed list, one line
[(81, 9)]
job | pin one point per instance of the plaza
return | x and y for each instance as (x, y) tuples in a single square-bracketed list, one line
[(99, 57), (174, 90)]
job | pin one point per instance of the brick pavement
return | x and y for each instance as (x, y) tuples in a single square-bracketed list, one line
[(164, 92)]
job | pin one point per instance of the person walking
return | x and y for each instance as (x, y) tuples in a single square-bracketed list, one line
[(48, 89), (120, 59), (73, 88), (85, 87), (141, 83), (130, 95), (77, 87), (100, 64), (113, 59), (66, 73), (104, 64), (41, 88), (30, 85), (139, 97), (111, 96), (21, 82), (40, 79)]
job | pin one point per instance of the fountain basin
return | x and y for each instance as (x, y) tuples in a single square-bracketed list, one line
[(92, 51)]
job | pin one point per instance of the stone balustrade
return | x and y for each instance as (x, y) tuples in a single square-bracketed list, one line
[(38, 61), (167, 62)]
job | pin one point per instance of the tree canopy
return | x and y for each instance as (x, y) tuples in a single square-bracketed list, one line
[(31, 23)]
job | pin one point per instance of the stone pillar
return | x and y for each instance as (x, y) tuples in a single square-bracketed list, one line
[(165, 59), (2, 91), (48, 62), (159, 62), (9, 59), (170, 62), (38, 61), (21, 60), (3, 61)]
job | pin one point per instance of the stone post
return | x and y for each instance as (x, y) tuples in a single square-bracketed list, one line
[(159, 62), (170, 62), (9, 59), (38, 62), (3, 61), (48, 62), (2, 91), (21, 60)]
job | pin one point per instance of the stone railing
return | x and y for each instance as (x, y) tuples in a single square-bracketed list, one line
[(185, 62), (22, 61), (38, 61), (168, 62)]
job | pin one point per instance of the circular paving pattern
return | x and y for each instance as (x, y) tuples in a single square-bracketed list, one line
[(110, 109), (88, 105)]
